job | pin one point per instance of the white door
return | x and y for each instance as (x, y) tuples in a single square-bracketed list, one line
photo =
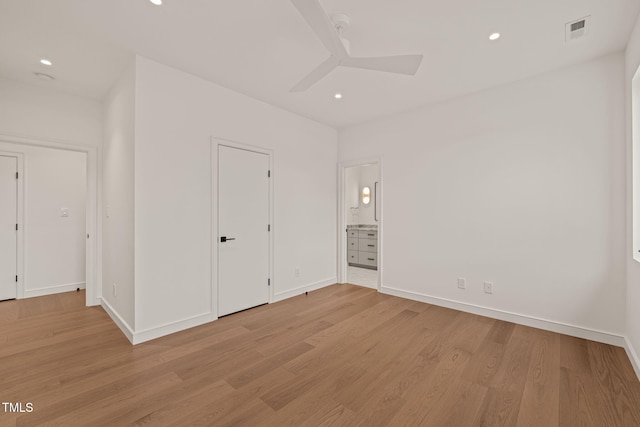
[(8, 221), (243, 221)]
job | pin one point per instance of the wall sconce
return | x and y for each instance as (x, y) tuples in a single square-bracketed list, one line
[(366, 195)]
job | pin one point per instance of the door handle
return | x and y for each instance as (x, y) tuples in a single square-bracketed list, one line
[(225, 238)]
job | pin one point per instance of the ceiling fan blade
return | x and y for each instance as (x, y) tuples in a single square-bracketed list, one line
[(403, 64), (312, 78), (316, 17)]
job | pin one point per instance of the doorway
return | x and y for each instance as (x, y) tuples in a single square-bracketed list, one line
[(243, 238), (87, 213), (361, 225)]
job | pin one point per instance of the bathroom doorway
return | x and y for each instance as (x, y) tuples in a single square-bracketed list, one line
[(361, 210)]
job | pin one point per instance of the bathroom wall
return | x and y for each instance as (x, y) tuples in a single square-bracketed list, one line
[(369, 175), (351, 184), (356, 178)]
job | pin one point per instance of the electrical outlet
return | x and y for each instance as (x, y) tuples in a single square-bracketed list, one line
[(296, 271), (115, 290), (462, 283), (488, 287)]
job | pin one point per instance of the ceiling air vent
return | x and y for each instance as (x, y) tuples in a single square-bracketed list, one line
[(577, 29)]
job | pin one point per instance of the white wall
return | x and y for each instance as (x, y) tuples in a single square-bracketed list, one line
[(352, 196), (35, 112), (521, 185), (118, 200), (356, 178), (369, 175), (176, 116), (54, 246), (633, 192)]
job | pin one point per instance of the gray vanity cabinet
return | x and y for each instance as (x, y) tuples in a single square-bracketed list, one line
[(362, 248)]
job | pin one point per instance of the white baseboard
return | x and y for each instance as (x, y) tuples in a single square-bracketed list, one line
[(119, 321), (633, 356), (534, 322), (170, 328), (50, 290), (302, 289), (137, 337)]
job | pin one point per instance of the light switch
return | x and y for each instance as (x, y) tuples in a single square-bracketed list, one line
[(64, 212)]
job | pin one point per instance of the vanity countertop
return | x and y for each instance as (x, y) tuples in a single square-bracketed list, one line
[(364, 227)]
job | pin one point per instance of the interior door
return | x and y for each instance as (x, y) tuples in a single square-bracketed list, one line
[(8, 221), (243, 221)]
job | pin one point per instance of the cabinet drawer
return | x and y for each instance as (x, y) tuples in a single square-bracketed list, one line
[(368, 258), (368, 245), (352, 233), (352, 257), (364, 234), (352, 244)]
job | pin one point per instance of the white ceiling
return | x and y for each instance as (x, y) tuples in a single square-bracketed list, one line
[(263, 47)]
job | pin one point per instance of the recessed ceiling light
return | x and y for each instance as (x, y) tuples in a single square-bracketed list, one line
[(494, 36), (156, 2), (45, 77), (45, 61), (338, 95)]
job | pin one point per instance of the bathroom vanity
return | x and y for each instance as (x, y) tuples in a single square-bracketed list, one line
[(362, 246)]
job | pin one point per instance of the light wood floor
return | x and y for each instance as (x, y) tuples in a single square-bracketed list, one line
[(343, 355)]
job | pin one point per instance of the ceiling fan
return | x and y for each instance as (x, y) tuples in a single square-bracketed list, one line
[(329, 34)]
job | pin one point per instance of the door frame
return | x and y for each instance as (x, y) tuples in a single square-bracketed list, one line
[(342, 217), (93, 261), (19, 220), (215, 143)]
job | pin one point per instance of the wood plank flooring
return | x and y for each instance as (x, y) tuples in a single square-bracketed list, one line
[(340, 356)]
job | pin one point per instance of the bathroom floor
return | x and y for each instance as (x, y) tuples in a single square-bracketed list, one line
[(362, 276)]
